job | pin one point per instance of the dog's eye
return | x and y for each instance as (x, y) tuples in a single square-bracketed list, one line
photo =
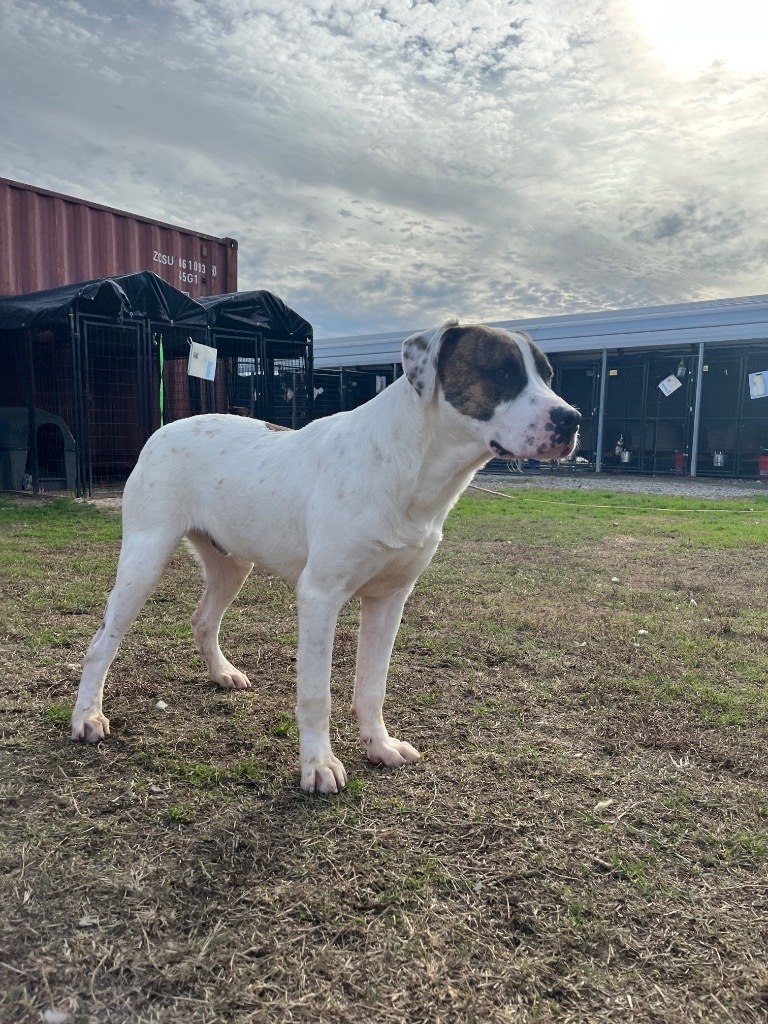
[(502, 373)]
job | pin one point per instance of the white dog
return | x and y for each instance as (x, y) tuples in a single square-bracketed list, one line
[(348, 506)]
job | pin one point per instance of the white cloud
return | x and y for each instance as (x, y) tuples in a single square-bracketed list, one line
[(382, 166), (689, 35)]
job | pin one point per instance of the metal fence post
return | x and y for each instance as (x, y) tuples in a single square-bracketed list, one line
[(601, 412)]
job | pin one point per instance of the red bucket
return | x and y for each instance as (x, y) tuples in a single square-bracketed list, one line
[(680, 458), (762, 468)]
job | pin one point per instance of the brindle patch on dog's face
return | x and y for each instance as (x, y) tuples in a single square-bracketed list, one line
[(543, 365), (479, 368)]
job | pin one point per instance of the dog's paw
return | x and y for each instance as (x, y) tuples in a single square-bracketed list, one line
[(231, 678), (391, 752), (92, 727), (323, 776)]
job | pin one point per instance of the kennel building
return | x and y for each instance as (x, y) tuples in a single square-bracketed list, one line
[(92, 369), (339, 390), (677, 389)]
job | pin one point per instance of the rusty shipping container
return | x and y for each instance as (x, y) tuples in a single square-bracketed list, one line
[(48, 239)]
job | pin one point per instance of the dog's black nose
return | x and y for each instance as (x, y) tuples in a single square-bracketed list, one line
[(565, 419)]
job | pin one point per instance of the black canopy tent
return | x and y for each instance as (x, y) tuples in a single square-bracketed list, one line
[(261, 310), (109, 359), (273, 380), (129, 296)]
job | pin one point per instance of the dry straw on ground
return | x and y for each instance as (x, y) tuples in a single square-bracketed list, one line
[(585, 840)]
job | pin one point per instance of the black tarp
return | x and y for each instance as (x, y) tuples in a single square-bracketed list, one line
[(124, 297), (146, 296), (260, 310), (129, 296), (152, 298), (40, 310)]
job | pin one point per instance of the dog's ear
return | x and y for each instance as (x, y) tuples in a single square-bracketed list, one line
[(420, 359)]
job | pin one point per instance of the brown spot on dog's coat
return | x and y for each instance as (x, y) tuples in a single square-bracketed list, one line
[(543, 365), (276, 426), (479, 368)]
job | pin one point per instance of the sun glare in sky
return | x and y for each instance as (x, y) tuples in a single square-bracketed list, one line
[(689, 35)]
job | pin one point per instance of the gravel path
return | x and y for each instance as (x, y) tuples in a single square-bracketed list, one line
[(681, 487)]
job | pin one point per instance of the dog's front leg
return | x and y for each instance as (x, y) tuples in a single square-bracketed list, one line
[(318, 609), (379, 622)]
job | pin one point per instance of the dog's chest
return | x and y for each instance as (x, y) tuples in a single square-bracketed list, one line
[(395, 568)]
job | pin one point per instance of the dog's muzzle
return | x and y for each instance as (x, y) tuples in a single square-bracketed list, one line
[(560, 431), (563, 426), (501, 452)]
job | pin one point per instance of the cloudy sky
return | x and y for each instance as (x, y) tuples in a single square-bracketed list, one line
[(385, 164)]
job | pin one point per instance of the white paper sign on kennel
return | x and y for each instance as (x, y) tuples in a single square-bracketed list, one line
[(669, 385), (202, 361)]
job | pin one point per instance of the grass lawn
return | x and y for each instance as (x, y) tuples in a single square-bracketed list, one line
[(586, 839)]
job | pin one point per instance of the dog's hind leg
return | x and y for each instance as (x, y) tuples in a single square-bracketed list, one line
[(224, 576), (379, 622), (142, 560)]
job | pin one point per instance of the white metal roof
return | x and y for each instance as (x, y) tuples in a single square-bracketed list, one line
[(717, 320)]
